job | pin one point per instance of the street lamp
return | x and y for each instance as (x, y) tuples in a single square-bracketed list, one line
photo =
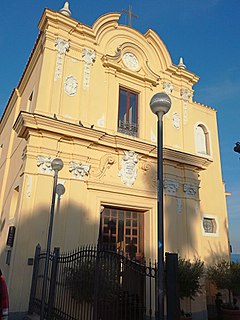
[(160, 104), (237, 147), (56, 165)]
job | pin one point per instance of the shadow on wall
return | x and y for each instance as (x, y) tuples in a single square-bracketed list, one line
[(73, 226), (181, 215)]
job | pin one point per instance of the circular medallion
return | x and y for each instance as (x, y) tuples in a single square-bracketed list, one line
[(130, 61)]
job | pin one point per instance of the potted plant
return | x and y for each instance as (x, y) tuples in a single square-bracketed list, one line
[(226, 275), (189, 275)]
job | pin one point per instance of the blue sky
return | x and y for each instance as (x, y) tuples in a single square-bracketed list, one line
[(205, 32)]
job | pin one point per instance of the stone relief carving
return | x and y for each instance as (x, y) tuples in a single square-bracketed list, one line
[(130, 61), (179, 206), (185, 94), (89, 56), (62, 47), (70, 85), (167, 87), (176, 120), (190, 189), (128, 172), (105, 163), (171, 186), (79, 170), (44, 164)]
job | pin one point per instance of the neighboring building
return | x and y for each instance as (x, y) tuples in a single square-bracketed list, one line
[(84, 97)]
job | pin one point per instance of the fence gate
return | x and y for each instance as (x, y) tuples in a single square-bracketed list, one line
[(94, 283)]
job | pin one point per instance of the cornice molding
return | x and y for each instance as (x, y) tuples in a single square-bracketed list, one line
[(183, 74), (10, 105), (28, 124), (184, 158)]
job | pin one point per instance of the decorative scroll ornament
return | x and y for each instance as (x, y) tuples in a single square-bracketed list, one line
[(128, 172), (44, 164), (171, 186), (130, 61), (185, 94), (105, 163), (190, 189), (89, 56), (167, 87), (78, 170), (62, 47), (176, 120), (70, 86)]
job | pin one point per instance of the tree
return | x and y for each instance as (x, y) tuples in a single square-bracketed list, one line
[(225, 275), (189, 276)]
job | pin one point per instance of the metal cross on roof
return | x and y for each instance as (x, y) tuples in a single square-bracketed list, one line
[(130, 15)]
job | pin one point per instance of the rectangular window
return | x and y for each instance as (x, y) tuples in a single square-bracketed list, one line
[(128, 112), (209, 225), (124, 229)]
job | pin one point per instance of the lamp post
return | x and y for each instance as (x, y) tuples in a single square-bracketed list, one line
[(56, 165), (160, 104)]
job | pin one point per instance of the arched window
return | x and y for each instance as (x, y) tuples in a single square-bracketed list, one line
[(202, 140)]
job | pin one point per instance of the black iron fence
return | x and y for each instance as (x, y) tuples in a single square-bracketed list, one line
[(94, 283)]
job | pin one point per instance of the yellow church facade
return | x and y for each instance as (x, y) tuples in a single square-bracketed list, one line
[(84, 97)]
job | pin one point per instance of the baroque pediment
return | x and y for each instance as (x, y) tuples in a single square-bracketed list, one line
[(129, 58)]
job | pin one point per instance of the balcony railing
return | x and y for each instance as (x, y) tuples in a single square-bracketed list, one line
[(128, 128)]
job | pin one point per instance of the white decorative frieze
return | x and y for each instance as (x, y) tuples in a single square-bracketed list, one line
[(79, 170), (167, 87), (89, 56), (62, 47), (170, 186), (190, 189), (176, 120), (130, 61), (44, 164), (70, 85), (128, 172)]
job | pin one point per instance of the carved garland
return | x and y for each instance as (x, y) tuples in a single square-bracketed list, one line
[(89, 56), (62, 47)]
